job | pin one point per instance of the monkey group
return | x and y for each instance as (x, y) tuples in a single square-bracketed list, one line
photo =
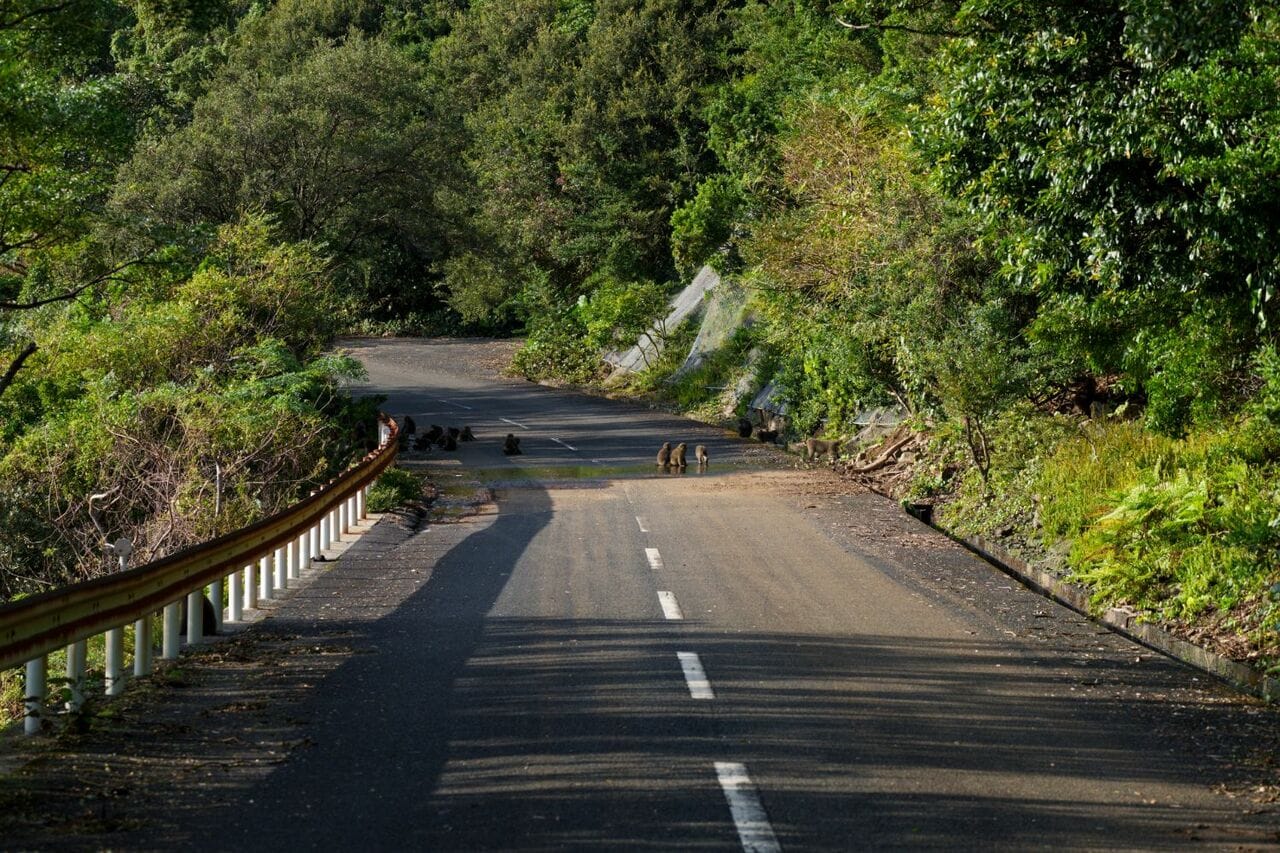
[(673, 458), (446, 438)]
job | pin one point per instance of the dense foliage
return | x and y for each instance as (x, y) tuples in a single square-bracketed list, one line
[(994, 214)]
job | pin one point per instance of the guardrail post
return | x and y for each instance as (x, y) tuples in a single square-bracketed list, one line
[(264, 578), (169, 642), (36, 691), (291, 558), (323, 534), (115, 662), (215, 595), (142, 650), (362, 502), (304, 552), (235, 595), (344, 519), (76, 653), (280, 568), (195, 616), (250, 588)]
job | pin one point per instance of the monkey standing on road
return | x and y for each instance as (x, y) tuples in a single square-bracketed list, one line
[(815, 447), (677, 456)]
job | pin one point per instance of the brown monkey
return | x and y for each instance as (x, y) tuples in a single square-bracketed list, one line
[(700, 453), (433, 435), (769, 436), (815, 447), (664, 455), (454, 432), (467, 434), (423, 442), (744, 428), (511, 445), (677, 456)]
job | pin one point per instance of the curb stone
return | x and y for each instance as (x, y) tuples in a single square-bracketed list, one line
[(1122, 621)]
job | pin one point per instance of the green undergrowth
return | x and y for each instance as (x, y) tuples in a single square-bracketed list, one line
[(395, 488), (1185, 530)]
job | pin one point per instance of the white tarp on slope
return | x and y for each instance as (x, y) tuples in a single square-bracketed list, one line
[(647, 348)]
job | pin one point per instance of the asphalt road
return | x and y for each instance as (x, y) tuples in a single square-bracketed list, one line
[(755, 657)]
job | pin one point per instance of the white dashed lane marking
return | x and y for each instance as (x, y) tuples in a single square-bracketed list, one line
[(563, 444), (654, 558), (640, 521), (459, 405), (695, 676), (513, 423), (670, 608), (745, 807)]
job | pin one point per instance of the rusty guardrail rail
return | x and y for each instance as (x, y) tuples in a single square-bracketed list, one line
[(279, 547)]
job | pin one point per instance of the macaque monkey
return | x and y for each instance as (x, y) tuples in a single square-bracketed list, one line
[(677, 456), (511, 445), (769, 436), (423, 442), (454, 432), (815, 447), (433, 434), (409, 426), (467, 434), (664, 455), (449, 442), (744, 428), (700, 453)]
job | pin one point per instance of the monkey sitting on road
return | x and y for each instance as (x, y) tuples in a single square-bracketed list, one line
[(511, 445), (433, 435), (467, 435), (409, 426), (448, 442), (422, 442), (677, 457), (769, 436), (454, 432), (700, 453), (664, 455), (815, 447), (744, 428)]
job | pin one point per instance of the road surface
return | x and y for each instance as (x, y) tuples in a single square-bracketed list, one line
[(755, 657)]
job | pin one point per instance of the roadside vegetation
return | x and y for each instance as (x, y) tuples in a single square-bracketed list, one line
[(1046, 232)]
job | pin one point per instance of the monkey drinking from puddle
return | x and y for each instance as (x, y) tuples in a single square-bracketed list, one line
[(700, 453), (664, 455)]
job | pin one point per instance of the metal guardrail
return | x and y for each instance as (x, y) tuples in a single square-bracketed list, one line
[(279, 547)]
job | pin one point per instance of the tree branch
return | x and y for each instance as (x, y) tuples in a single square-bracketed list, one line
[(16, 365)]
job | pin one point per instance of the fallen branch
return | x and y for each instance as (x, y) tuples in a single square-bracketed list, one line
[(885, 458)]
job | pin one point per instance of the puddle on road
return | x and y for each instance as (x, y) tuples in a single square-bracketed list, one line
[(593, 475)]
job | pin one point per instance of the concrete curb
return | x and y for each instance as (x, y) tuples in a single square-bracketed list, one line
[(1238, 675)]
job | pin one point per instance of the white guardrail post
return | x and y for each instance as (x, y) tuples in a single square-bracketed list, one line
[(50, 621)]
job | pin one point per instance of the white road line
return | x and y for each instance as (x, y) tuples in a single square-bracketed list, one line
[(654, 558), (754, 830), (562, 444), (459, 405), (513, 423), (695, 676), (640, 521), (670, 609)]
